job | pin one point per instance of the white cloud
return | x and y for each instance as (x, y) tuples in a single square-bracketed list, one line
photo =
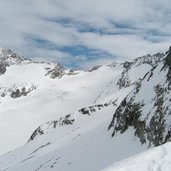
[(136, 27)]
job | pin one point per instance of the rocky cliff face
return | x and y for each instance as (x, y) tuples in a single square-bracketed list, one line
[(2, 68), (144, 62), (7, 58), (147, 108)]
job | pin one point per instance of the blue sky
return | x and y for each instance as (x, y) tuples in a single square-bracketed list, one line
[(82, 33)]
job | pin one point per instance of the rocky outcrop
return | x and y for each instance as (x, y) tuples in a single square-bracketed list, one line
[(151, 60), (94, 68), (91, 109), (2, 68), (148, 107), (167, 64), (47, 127), (8, 57), (23, 92), (57, 72), (68, 119), (17, 91)]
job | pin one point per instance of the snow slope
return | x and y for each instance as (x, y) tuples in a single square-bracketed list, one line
[(155, 159), (51, 99), (74, 110), (78, 141)]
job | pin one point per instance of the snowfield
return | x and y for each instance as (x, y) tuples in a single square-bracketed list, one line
[(158, 158), (51, 99), (53, 118)]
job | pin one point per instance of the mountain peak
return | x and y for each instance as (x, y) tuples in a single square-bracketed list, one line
[(8, 57)]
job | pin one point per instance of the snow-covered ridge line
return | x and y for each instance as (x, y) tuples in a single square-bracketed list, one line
[(8, 58), (140, 63), (147, 107), (68, 119)]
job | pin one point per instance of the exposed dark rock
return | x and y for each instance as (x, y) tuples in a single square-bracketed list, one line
[(72, 72), (94, 108), (2, 68), (94, 68), (8, 57), (127, 64), (85, 111), (129, 114), (167, 64), (38, 131), (23, 92), (44, 129), (16, 94), (153, 127), (123, 119), (57, 72), (67, 121), (152, 60)]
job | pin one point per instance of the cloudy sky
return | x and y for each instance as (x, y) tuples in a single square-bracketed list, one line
[(80, 33)]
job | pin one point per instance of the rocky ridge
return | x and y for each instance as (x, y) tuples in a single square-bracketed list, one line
[(147, 107)]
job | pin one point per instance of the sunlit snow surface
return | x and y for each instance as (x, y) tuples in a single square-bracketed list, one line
[(52, 99), (156, 159), (85, 145)]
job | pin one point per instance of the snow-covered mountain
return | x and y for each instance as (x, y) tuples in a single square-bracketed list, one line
[(147, 107), (86, 120)]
